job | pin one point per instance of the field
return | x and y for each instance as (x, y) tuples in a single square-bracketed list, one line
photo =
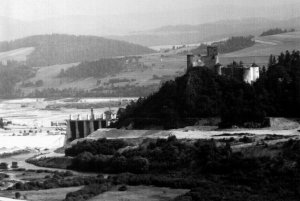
[(154, 69), (17, 54), (56, 194), (137, 193), (50, 80), (264, 47)]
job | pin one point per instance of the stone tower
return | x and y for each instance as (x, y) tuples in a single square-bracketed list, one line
[(212, 51), (190, 58)]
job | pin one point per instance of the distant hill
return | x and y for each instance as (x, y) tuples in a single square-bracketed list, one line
[(189, 34), (61, 49)]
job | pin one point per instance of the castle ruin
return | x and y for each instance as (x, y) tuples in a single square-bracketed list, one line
[(246, 73)]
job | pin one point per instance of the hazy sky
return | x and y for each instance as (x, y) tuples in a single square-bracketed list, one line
[(39, 9), (119, 17)]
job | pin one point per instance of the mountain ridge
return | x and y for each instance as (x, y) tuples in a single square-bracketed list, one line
[(52, 49), (190, 34)]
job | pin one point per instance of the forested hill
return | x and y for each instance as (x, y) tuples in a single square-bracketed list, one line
[(230, 45), (61, 49), (275, 31), (198, 94), (201, 93)]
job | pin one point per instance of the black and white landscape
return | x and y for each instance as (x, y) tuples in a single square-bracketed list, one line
[(180, 100)]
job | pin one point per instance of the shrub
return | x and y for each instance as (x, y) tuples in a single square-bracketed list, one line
[(17, 195), (138, 165), (122, 188)]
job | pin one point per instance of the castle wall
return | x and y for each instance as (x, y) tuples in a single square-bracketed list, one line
[(209, 61), (238, 72), (189, 58), (248, 75), (255, 73)]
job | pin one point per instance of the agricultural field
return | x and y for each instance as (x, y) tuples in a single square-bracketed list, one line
[(56, 194), (137, 193), (152, 69), (260, 52)]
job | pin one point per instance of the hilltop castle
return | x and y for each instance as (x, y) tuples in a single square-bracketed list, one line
[(210, 60), (246, 73)]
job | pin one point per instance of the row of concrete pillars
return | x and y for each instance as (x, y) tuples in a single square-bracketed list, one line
[(81, 128)]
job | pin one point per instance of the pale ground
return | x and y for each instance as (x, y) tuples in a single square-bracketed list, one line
[(29, 116), (187, 134), (8, 199), (56, 194), (38, 141), (31, 112), (17, 54), (140, 193)]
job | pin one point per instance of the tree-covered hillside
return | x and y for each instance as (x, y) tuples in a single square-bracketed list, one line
[(10, 75), (198, 94), (201, 93), (276, 31), (61, 49), (100, 68), (230, 45)]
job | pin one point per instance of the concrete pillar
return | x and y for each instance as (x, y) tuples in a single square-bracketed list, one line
[(92, 129), (77, 130), (100, 124), (68, 131), (92, 114), (86, 128)]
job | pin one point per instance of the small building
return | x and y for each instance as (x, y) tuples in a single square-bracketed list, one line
[(241, 72), (3, 166), (14, 165)]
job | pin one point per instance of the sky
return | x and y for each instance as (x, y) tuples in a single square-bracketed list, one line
[(19, 18), (30, 10)]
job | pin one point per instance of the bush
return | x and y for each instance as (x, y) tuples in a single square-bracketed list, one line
[(101, 146), (17, 195), (87, 192), (138, 165), (122, 188)]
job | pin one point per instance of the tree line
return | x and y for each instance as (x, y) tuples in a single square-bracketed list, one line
[(230, 45), (10, 75), (209, 168), (276, 31), (99, 69)]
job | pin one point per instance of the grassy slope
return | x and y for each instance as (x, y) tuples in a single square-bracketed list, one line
[(16, 54), (61, 48), (169, 66), (137, 193), (56, 194)]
